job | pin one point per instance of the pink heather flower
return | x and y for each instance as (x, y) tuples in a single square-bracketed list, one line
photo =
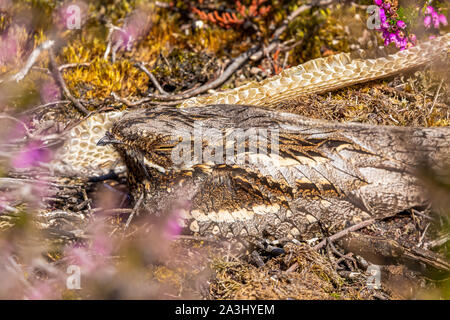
[(401, 24), (8, 48), (378, 2), (42, 291), (383, 19), (413, 38), (435, 18), (387, 6), (429, 10), (135, 26), (126, 38), (172, 227), (50, 92), (83, 258), (432, 37), (393, 37), (427, 21), (30, 156), (443, 19), (102, 245), (403, 43), (400, 34), (382, 14)]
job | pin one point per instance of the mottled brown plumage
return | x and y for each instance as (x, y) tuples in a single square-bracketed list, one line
[(326, 172)]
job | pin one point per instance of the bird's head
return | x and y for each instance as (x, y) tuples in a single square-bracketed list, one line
[(145, 140)]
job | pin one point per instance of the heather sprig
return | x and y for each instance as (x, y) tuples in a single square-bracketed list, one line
[(393, 28), (433, 18), (396, 27)]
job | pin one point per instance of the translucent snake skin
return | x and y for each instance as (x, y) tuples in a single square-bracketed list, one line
[(81, 157)]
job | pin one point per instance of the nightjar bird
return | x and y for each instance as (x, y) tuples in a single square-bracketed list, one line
[(249, 171)]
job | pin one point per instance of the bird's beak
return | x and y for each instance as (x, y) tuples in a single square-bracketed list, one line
[(106, 140)]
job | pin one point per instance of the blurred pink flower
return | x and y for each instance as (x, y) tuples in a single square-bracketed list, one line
[(174, 224), (126, 38), (50, 92), (401, 24), (31, 155), (8, 48), (172, 227), (427, 21), (102, 245), (433, 17), (429, 10), (83, 258), (136, 25), (42, 291)]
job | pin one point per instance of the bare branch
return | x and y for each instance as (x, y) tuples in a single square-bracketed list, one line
[(62, 84)]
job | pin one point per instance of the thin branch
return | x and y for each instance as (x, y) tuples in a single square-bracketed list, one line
[(135, 209), (344, 232), (151, 77), (235, 65), (62, 84), (436, 96), (73, 65), (53, 103)]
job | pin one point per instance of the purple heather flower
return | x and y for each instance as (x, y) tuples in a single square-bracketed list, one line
[(172, 227), (8, 48), (393, 37), (102, 245), (383, 19), (400, 34), (42, 291), (401, 24), (413, 38), (443, 19), (50, 92), (30, 156), (382, 14), (378, 2), (427, 21), (435, 18), (386, 6), (429, 10), (403, 43), (135, 26), (125, 39)]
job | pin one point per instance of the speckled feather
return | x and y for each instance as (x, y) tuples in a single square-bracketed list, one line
[(329, 172)]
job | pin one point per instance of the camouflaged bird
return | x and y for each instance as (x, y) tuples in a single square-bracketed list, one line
[(248, 171)]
